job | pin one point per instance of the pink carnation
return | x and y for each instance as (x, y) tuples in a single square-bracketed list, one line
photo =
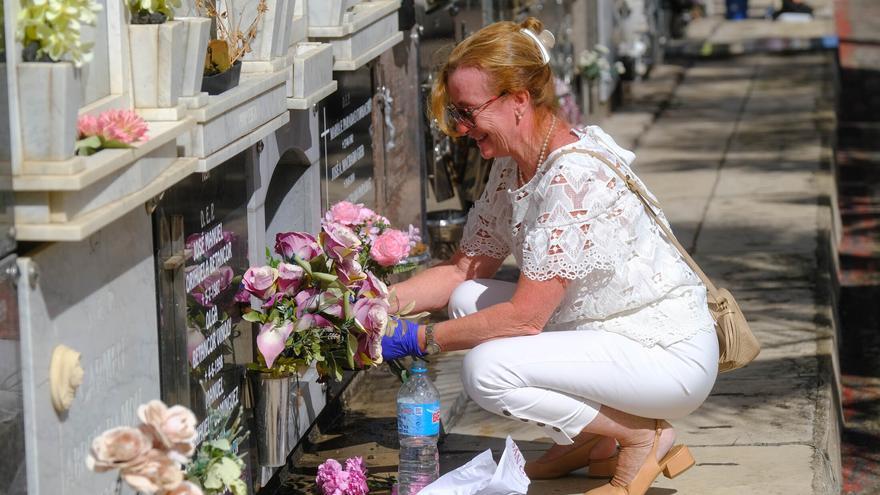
[(332, 479), (390, 248), (87, 125), (124, 126)]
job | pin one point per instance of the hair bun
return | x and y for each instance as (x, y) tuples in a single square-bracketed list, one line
[(547, 39)]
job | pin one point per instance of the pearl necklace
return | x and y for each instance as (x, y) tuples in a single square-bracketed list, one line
[(522, 178)]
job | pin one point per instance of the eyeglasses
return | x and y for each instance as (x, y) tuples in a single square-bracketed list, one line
[(467, 116)]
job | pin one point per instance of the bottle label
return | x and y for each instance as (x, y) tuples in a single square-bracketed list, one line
[(416, 420)]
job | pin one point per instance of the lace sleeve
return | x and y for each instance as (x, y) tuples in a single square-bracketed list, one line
[(487, 231), (579, 231)]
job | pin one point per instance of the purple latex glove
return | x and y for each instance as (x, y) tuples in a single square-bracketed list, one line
[(404, 342)]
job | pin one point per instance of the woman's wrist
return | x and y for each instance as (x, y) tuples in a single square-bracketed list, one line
[(423, 343)]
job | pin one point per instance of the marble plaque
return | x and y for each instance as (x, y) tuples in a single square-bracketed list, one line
[(95, 296), (201, 232), (346, 145)]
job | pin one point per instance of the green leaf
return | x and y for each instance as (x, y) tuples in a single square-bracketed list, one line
[(352, 350), (88, 145), (221, 443), (253, 316), (222, 473)]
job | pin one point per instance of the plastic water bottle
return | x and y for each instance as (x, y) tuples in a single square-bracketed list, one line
[(418, 426)]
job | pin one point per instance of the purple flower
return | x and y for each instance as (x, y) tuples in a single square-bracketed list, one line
[(372, 314), (260, 281), (311, 320), (272, 339), (307, 301), (273, 300), (340, 241), (349, 271), (332, 479), (289, 277), (301, 244), (372, 287), (242, 296), (357, 476)]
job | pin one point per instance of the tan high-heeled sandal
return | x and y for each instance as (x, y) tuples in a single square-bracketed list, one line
[(572, 460), (675, 462)]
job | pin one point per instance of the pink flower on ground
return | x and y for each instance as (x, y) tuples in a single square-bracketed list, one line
[(118, 448), (157, 472), (339, 241), (124, 126), (272, 340), (260, 281), (390, 248), (347, 213), (357, 476), (304, 246), (332, 479), (87, 125), (289, 277)]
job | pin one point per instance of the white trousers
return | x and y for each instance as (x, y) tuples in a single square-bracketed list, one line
[(559, 380)]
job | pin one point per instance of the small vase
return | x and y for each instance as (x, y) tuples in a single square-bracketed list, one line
[(224, 81), (49, 96), (271, 403), (157, 63)]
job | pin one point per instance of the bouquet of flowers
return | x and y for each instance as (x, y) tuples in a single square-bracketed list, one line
[(324, 300)]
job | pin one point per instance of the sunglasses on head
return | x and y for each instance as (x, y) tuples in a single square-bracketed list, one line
[(467, 116)]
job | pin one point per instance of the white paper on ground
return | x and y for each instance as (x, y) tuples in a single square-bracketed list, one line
[(481, 476)]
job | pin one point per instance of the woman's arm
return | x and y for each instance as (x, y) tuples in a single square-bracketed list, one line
[(430, 289), (526, 313)]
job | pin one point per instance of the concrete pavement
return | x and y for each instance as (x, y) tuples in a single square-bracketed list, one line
[(738, 152)]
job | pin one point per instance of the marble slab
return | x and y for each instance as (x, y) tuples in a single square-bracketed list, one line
[(96, 296), (307, 101), (273, 29), (352, 46), (241, 144), (232, 115), (158, 58), (312, 69), (328, 12), (49, 96), (87, 224), (362, 58), (198, 30), (358, 18)]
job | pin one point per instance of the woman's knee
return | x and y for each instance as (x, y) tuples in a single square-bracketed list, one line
[(482, 375), (463, 300)]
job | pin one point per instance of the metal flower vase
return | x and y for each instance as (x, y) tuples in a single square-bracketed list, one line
[(271, 403)]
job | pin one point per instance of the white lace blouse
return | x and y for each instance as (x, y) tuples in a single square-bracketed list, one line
[(578, 221)]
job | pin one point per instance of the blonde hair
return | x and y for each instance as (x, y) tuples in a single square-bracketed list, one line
[(511, 60)]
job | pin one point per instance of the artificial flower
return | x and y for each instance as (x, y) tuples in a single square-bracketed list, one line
[(118, 448), (272, 339), (157, 472), (173, 428), (260, 281), (303, 246)]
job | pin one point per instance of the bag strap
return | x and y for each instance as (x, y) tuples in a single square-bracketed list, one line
[(649, 205)]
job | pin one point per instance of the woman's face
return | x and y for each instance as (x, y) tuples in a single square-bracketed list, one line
[(493, 118)]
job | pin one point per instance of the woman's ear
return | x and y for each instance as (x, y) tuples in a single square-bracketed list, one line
[(521, 100)]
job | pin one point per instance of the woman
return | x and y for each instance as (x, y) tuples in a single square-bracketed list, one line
[(632, 342)]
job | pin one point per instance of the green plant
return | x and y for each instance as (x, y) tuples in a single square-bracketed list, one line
[(216, 466), (49, 30), (152, 11)]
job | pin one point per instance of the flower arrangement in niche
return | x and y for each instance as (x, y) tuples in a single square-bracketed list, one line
[(322, 301), (152, 11), (50, 30), (233, 36), (593, 64), (149, 457), (110, 129)]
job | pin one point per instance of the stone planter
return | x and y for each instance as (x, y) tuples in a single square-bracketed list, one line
[(273, 32), (270, 398), (328, 12), (198, 30), (49, 97), (158, 56)]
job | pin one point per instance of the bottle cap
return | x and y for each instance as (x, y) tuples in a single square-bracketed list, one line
[(418, 366)]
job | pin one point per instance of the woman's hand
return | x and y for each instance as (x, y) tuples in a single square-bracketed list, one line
[(404, 342)]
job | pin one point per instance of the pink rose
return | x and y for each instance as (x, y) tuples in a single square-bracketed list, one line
[(369, 351), (339, 241), (118, 448), (371, 314), (390, 248), (350, 271), (307, 301), (357, 476), (260, 281), (157, 472), (242, 296), (347, 213), (272, 340), (303, 246), (173, 428), (332, 479), (373, 287), (289, 277)]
